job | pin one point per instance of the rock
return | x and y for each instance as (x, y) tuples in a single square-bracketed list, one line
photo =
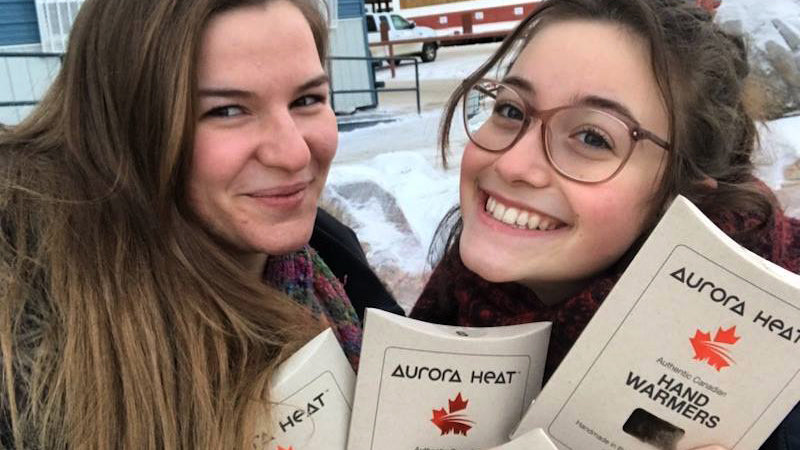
[(732, 26), (791, 38), (366, 207), (775, 78)]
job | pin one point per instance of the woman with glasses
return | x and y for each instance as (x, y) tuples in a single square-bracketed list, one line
[(590, 117)]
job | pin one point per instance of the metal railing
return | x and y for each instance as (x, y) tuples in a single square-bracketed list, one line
[(30, 88), (377, 90)]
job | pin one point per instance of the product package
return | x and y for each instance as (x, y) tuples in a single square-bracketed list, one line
[(535, 439), (697, 344), (426, 386), (312, 397)]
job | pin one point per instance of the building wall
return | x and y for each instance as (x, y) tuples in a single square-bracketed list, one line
[(349, 39), (26, 79), (18, 24), (350, 9)]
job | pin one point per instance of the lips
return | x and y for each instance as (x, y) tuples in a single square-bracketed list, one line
[(285, 197), (281, 191)]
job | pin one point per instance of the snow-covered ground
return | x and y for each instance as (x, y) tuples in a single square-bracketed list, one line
[(756, 17), (400, 160)]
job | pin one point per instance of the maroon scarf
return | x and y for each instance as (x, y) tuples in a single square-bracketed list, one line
[(456, 296)]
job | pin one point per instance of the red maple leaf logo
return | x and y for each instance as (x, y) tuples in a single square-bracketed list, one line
[(453, 421), (716, 351), (281, 448)]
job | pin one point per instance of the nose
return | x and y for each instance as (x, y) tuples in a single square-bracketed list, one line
[(526, 161), (282, 144)]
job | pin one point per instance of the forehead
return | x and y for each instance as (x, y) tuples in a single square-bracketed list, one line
[(264, 43), (567, 60)]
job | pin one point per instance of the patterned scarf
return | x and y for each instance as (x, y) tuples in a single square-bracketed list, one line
[(456, 296), (303, 276)]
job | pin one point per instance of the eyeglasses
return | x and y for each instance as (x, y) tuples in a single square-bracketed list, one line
[(582, 143)]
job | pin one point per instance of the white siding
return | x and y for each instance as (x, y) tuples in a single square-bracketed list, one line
[(24, 79), (348, 39), (55, 21)]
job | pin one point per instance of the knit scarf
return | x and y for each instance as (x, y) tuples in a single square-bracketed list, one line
[(456, 296), (304, 277)]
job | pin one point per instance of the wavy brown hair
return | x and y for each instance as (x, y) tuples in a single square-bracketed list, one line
[(123, 324), (702, 73)]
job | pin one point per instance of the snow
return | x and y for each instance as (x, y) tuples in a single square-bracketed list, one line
[(402, 159), (780, 147), (756, 17)]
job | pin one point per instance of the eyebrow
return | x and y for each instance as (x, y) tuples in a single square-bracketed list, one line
[(317, 81), (587, 100), (224, 92), (606, 103), (520, 83), (239, 93)]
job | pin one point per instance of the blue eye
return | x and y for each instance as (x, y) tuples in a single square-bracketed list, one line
[(509, 111), (225, 111), (594, 139)]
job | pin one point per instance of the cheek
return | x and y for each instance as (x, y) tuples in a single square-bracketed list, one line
[(613, 220), (217, 156), (323, 139), (474, 162)]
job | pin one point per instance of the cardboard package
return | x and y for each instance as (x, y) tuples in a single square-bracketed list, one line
[(312, 395), (422, 385), (535, 439), (697, 344)]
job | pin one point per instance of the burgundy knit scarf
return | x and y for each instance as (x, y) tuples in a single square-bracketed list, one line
[(456, 296)]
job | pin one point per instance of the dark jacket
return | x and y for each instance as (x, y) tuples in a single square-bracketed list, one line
[(787, 435), (339, 247)]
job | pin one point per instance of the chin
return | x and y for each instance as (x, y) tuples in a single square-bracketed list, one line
[(287, 244), (484, 265)]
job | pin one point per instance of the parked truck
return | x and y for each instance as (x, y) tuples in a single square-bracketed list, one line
[(400, 28)]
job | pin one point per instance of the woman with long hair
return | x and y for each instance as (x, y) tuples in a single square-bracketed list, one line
[(155, 209), (583, 126)]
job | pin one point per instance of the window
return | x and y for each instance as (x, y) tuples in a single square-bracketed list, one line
[(401, 23), (371, 28)]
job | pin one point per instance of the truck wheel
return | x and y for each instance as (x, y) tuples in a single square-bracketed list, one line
[(428, 52)]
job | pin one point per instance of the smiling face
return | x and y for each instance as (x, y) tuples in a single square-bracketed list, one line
[(265, 135), (524, 222)]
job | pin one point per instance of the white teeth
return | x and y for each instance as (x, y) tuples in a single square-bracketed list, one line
[(533, 221), (499, 211), (517, 217), (510, 216), (491, 203), (522, 219)]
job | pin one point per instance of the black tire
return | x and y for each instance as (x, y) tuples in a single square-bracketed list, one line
[(429, 52), (376, 63)]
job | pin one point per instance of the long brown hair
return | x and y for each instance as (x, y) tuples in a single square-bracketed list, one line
[(122, 322), (701, 72)]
